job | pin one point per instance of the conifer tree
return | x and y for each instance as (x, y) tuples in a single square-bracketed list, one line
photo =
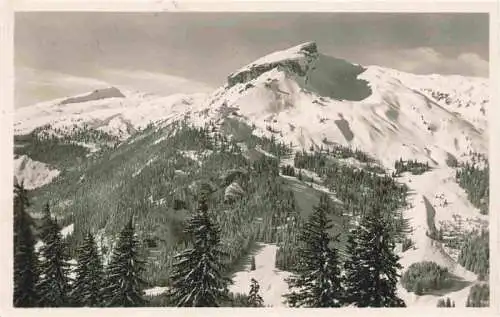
[(46, 222), (449, 302), (124, 282), (197, 275), (371, 267), (89, 274), (418, 289), (254, 298), (54, 266), (317, 282), (351, 288), (25, 257), (479, 296)]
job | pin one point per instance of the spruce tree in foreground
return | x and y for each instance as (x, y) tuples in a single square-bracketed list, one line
[(371, 267), (89, 275), (197, 275), (124, 282), (352, 290), (254, 298), (25, 258), (317, 282), (54, 267)]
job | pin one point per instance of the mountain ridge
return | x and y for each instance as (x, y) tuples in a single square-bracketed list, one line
[(283, 100), (290, 82)]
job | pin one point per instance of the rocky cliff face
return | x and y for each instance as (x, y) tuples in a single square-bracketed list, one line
[(297, 60)]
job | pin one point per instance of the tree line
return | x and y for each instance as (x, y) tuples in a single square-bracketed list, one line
[(413, 166), (479, 296), (474, 179), (475, 253), (357, 188), (46, 278)]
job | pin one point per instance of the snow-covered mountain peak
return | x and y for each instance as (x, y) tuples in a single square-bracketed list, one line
[(297, 59), (115, 111), (98, 94), (309, 99)]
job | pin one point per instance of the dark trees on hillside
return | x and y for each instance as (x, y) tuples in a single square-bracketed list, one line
[(54, 283), (89, 275), (25, 257), (475, 181)]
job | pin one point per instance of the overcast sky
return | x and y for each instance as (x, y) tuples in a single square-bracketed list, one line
[(68, 53)]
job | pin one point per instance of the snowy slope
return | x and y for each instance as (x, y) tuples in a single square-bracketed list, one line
[(271, 280), (105, 111), (34, 174), (436, 186), (394, 121), (469, 97)]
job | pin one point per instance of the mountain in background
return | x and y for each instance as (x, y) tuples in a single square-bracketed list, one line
[(310, 99), (114, 152)]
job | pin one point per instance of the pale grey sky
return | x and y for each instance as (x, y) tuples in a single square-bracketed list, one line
[(94, 48)]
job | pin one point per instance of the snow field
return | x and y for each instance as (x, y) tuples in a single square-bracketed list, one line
[(271, 280), (34, 174)]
